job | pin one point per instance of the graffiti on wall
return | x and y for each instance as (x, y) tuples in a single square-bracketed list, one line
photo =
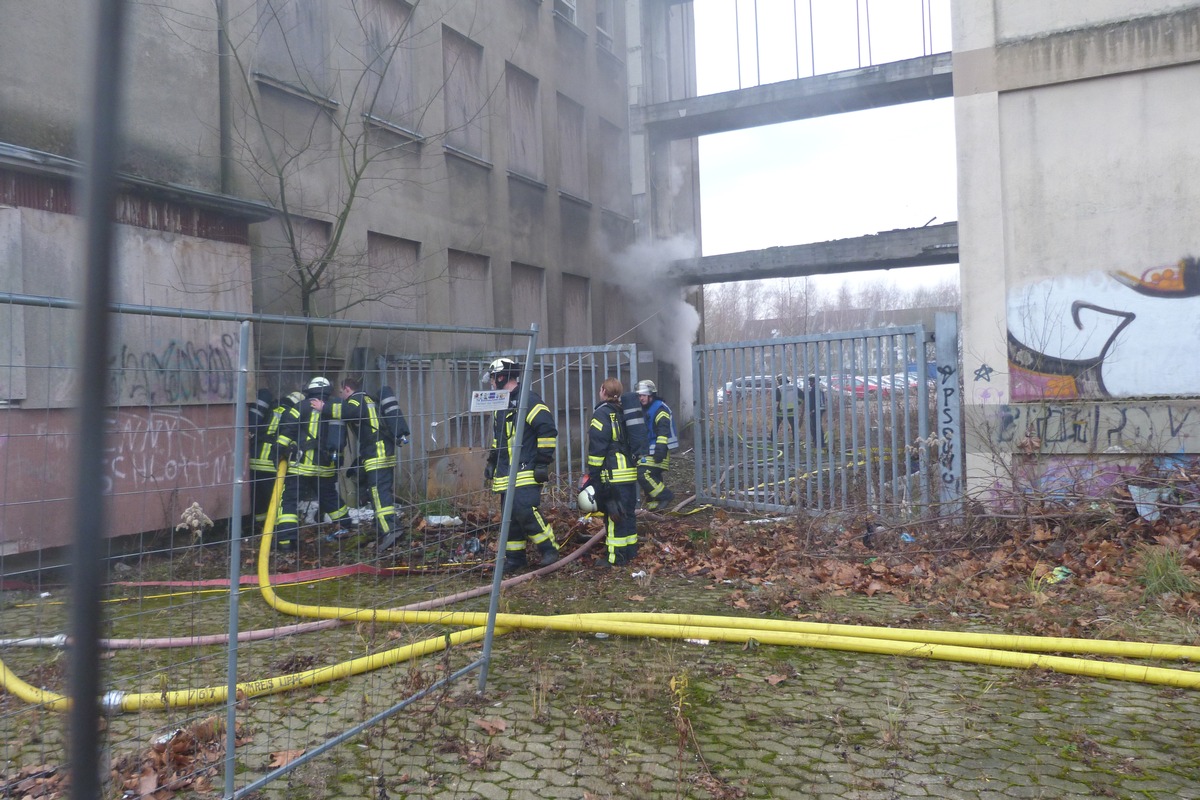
[(1158, 427), (163, 448), (177, 372), (1106, 334), (949, 468)]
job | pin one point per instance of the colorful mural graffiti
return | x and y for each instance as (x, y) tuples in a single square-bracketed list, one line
[(1106, 335)]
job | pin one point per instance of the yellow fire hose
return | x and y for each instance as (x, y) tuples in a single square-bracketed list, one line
[(977, 648)]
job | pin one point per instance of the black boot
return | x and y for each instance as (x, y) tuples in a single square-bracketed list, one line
[(549, 554), (514, 563)]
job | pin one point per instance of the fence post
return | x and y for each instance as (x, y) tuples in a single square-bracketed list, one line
[(949, 414)]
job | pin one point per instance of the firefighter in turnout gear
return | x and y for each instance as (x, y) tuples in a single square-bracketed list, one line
[(265, 454), (787, 409), (376, 452), (653, 466), (531, 458), (612, 473), (315, 441)]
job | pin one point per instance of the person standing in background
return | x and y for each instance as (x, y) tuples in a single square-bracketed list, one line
[(529, 460), (315, 441), (265, 418), (613, 474), (376, 453), (653, 467)]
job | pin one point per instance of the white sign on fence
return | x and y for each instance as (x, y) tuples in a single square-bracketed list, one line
[(489, 400)]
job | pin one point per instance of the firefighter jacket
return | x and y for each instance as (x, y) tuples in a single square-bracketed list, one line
[(662, 430), (376, 448), (315, 438), (609, 453), (266, 451), (539, 441)]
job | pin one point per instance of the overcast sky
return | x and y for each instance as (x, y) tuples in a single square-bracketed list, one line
[(831, 177)]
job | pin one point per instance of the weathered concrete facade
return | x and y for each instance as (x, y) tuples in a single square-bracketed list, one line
[(448, 162), (1077, 209)]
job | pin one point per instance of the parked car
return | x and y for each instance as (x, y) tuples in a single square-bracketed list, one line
[(747, 386), (900, 382), (859, 386)]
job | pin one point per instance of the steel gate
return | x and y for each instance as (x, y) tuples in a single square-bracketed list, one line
[(822, 422), (435, 391)]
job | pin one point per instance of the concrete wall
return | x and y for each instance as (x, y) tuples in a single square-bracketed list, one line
[(1077, 208)]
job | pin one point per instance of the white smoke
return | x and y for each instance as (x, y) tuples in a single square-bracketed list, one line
[(662, 319)]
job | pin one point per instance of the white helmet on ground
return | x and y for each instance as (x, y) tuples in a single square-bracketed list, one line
[(587, 500), (318, 383), (646, 387)]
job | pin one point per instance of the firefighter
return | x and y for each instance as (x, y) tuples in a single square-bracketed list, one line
[(376, 452), (265, 418), (315, 441), (653, 466), (612, 473), (531, 456), (786, 404)]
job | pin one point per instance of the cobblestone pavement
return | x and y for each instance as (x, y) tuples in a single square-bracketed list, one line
[(574, 715), (577, 716)]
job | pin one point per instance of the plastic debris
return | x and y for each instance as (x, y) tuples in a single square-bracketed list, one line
[(443, 521), (907, 537), (1058, 575)]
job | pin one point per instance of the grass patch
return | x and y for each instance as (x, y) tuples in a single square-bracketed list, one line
[(1161, 572)]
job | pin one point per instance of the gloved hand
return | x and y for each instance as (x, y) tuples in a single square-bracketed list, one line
[(659, 455), (489, 471), (403, 440), (541, 472)]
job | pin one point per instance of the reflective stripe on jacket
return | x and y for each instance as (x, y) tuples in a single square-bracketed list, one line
[(608, 446), (539, 440)]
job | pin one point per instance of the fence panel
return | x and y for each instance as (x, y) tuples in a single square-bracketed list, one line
[(829, 421), (450, 441), (341, 640)]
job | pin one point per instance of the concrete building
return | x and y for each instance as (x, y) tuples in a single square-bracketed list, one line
[(1078, 169), (1076, 233), (437, 161)]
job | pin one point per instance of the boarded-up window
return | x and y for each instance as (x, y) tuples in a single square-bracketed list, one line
[(393, 278), (464, 93), (528, 296), (293, 44), (391, 85), (470, 297), (613, 192), (605, 23), (572, 148), (524, 123), (312, 237), (395, 290), (577, 311)]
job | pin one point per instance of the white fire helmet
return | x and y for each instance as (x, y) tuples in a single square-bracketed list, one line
[(646, 387), (587, 500), (318, 383)]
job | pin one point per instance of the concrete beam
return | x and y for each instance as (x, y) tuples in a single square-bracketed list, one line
[(924, 78), (913, 247)]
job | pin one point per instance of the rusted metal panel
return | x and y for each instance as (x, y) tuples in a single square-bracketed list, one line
[(55, 193)]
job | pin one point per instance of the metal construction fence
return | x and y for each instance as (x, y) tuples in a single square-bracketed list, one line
[(829, 421), (314, 647)]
